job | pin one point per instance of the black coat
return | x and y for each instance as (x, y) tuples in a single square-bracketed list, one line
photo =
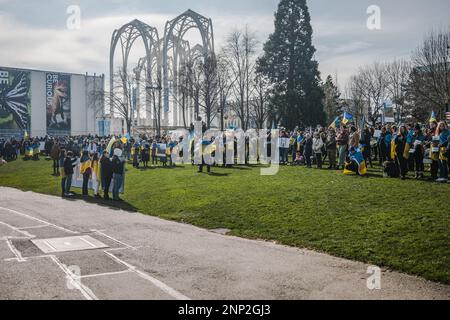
[(118, 166), (106, 170), (68, 166)]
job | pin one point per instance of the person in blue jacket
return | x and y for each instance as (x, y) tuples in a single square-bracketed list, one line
[(444, 134)]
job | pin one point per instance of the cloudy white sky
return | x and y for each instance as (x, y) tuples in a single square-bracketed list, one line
[(33, 34)]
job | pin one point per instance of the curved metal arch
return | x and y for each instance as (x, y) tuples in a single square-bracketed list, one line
[(127, 35), (175, 30)]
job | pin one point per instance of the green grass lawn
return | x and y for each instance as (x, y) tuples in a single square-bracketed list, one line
[(402, 225)]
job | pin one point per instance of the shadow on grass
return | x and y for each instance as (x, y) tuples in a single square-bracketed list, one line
[(374, 175), (157, 168), (216, 174), (114, 205), (240, 168)]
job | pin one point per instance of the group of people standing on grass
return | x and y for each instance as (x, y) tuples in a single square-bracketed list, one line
[(99, 170), (12, 148), (399, 149)]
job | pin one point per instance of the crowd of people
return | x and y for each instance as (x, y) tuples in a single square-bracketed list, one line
[(397, 149)]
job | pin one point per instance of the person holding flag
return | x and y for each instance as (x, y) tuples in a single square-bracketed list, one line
[(205, 148), (444, 136), (96, 174), (342, 144), (398, 151), (331, 147), (106, 173), (86, 171), (68, 167), (28, 151), (418, 151), (118, 170)]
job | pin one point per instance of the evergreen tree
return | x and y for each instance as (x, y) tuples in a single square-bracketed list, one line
[(288, 62), (331, 101)]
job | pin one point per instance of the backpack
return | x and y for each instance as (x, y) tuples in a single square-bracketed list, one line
[(391, 169)]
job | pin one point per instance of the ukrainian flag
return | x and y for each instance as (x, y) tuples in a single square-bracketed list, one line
[(347, 118), (409, 143), (208, 147), (393, 147), (84, 166), (433, 117), (299, 141), (29, 151), (357, 157), (335, 123), (85, 163)]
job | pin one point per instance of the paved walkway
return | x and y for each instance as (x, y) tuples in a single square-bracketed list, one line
[(149, 258)]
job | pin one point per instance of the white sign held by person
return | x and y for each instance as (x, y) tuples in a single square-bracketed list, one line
[(284, 143), (77, 180)]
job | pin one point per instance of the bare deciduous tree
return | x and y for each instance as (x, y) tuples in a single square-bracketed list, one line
[(398, 73), (429, 86), (203, 87), (370, 88), (121, 97), (240, 50), (260, 107), (225, 83)]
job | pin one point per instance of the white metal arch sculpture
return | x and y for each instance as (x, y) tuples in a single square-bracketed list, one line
[(175, 31), (127, 35)]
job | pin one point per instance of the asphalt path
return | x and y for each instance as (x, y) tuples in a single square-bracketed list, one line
[(127, 255)]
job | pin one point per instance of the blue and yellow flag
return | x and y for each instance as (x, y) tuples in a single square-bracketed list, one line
[(357, 157), (29, 151), (408, 144), (433, 117), (84, 166), (347, 118), (335, 123), (208, 147), (393, 147), (85, 163)]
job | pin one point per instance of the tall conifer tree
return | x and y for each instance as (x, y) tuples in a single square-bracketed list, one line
[(288, 61)]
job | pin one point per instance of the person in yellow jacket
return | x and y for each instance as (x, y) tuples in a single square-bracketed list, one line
[(85, 171), (96, 174)]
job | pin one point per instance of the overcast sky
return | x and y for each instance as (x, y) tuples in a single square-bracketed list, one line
[(33, 34)]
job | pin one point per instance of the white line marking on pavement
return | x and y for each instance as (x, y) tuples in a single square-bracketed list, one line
[(34, 227), (113, 239), (17, 230), (39, 220), (75, 281), (105, 274), (162, 286), (15, 251)]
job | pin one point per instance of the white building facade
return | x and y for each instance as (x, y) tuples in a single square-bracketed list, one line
[(41, 103)]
